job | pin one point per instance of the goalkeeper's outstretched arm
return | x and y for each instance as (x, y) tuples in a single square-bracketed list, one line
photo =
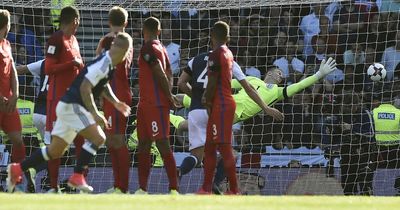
[(325, 68)]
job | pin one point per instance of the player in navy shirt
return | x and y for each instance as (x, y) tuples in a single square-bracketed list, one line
[(77, 114), (196, 75), (37, 70), (39, 115)]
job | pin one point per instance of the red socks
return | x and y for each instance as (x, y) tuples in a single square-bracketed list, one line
[(124, 162), (144, 164), (53, 166), (115, 166), (120, 164), (170, 167), (229, 165), (18, 153), (210, 162)]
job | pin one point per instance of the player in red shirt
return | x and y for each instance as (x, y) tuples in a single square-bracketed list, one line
[(63, 63), (9, 117), (118, 19), (218, 100), (156, 99)]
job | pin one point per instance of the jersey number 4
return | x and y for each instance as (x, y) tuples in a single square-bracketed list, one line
[(203, 77)]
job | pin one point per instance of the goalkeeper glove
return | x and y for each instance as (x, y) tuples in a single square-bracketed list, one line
[(326, 67)]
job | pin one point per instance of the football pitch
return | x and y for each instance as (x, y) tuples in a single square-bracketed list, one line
[(192, 202)]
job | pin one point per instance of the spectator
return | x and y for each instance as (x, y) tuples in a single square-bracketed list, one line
[(355, 55), (56, 6), (297, 122), (377, 37), (203, 41), (387, 126), (277, 46), (389, 6), (391, 57), (289, 24), (358, 150), (292, 67), (172, 48), (309, 25), (349, 19), (320, 49), (25, 36), (330, 38)]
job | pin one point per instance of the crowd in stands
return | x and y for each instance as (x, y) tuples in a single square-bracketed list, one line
[(295, 38)]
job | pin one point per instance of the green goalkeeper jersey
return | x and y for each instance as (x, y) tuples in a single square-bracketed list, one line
[(245, 106), (269, 93)]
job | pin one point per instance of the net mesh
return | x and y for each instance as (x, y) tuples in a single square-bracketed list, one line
[(311, 151)]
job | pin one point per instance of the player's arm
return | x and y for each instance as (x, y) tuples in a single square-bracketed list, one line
[(238, 75), (33, 68), (184, 79), (22, 69), (119, 105), (159, 74), (162, 80), (252, 93), (183, 83), (92, 78), (53, 52), (325, 68), (99, 48), (12, 101), (209, 92), (88, 100)]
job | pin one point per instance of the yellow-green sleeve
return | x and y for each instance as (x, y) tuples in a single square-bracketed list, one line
[(292, 89), (235, 84), (186, 101), (176, 120)]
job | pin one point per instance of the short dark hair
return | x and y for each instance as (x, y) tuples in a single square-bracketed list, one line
[(68, 14), (118, 16), (4, 17), (221, 31), (151, 24)]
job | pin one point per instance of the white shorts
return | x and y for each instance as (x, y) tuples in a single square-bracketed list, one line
[(197, 120), (39, 121), (71, 119)]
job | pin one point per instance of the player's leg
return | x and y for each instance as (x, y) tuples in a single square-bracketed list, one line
[(120, 160), (197, 125), (96, 137), (222, 135), (210, 162), (11, 124), (82, 121), (117, 147), (144, 161), (144, 132), (53, 164), (15, 170), (169, 162), (229, 165), (191, 161), (160, 132), (39, 121)]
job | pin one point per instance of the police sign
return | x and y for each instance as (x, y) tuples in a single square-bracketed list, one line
[(386, 116)]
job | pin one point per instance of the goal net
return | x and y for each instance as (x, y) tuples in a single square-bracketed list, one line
[(324, 145)]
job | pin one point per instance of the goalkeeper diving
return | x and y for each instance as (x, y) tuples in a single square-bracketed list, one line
[(246, 108), (269, 90)]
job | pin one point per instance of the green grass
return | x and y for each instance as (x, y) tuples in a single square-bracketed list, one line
[(191, 202)]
